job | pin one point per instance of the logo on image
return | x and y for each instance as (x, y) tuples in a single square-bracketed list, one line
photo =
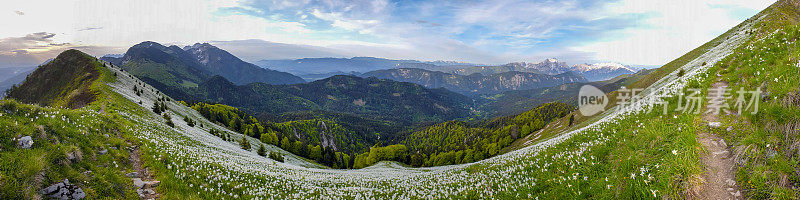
[(591, 100)]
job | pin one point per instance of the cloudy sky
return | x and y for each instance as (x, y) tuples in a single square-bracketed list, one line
[(635, 32)]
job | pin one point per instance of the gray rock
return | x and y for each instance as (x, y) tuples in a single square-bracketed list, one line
[(138, 182), (730, 182), (133, 175), (151, 184), (64, 190), (143, 192), (25, 142), (729, 129), (103, 151), (715, 124)]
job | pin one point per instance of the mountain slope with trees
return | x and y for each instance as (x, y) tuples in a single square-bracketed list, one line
[(477, 84)]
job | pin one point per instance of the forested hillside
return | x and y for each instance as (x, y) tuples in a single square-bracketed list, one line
[(458, 142), (322, 141), (477, 84)]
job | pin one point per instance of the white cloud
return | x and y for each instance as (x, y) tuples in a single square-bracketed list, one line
[(367, 27), (676, 27)]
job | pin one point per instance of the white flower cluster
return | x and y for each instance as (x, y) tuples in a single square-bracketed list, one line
[(215, 167)]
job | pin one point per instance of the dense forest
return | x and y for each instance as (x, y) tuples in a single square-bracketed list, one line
[(457, 142), (336, 146), (312, 139)]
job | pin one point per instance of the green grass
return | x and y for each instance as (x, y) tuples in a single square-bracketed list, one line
[(766, 142)]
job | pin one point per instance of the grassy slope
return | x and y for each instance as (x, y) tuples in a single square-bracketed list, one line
[(64, 82), (641, 156), (766, 144), (771, 63), (665, 73), (57, 132)]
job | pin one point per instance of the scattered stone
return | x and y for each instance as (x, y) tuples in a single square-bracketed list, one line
[(64, 190), (729, 129), (722, 142), (730, 182), (736, 194), (143, 192), (103, 151), (114, 148), (715, 124), (25, 142), (151, 184), (132, 175), (145, 184), (138, 182)]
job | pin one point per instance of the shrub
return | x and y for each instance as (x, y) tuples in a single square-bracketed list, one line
[(244, 144), (571, 119), (169, 120), (262, 151), (275, 156), (188, 121)]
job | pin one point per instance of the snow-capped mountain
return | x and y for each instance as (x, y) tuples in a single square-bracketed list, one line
[(601, 71), (592, 72)]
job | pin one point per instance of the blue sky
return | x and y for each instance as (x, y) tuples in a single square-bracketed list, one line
[(636, 32)]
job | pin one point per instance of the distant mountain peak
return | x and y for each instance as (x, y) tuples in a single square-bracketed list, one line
[(611, 66)]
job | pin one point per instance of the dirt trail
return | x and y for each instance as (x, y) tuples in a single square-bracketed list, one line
[(143, 173), (720, 175)]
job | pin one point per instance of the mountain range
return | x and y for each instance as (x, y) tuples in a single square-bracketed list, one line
[(193, 64), (552, 66), (477, 83), (79, 127), (198, 74)]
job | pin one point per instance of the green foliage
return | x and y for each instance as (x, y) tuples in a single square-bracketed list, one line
[(169, 120), (261, 150), (25, 171), (275, 156), (244, 144), (768, 140), (376, 154), (571, 119), (458, 142), (189, 121)]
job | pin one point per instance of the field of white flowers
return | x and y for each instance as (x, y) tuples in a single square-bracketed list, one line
[(584, 163)]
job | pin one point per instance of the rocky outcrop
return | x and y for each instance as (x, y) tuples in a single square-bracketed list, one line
[(64, 190)]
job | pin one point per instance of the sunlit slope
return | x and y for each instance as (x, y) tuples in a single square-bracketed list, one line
[(619, 155), (697, 60)]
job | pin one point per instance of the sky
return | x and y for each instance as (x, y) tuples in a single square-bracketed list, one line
[(632, 32)]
